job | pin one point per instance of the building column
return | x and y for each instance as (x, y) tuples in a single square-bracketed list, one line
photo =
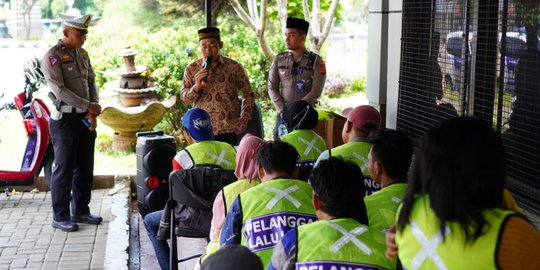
[(384, 51)]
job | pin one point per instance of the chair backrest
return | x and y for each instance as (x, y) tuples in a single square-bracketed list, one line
[(192, 194), (197, 187)]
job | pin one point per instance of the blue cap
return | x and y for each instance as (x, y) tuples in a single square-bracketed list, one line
[(198, 124)]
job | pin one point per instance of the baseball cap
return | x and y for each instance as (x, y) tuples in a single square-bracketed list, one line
[(364, 117), (198, 124), (232, 257)]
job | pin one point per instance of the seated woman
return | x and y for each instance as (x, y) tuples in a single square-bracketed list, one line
[(452, 215)]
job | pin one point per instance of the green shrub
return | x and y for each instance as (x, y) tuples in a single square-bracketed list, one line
[(104, 143), (357, 85)]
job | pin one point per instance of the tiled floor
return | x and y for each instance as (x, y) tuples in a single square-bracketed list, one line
[(28, 241), (186, 247)]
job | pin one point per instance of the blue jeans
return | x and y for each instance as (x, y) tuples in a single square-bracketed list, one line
[(161, 247)]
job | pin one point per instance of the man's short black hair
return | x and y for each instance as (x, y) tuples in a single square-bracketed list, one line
[(277, 157), (340, 186), (394, 150)]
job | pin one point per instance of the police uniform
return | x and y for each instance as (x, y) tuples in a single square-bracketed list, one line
[(293, 79), (70, 76)]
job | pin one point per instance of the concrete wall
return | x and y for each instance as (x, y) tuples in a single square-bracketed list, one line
[(384, 43)]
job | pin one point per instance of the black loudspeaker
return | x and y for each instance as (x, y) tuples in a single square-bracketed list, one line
[(155, 152)]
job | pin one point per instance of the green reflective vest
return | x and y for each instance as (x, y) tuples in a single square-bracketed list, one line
[(340, 244), (308, 143), (382, 205), (421, 245), (213, 152), (358, 152), (229, 192), (270, 210)]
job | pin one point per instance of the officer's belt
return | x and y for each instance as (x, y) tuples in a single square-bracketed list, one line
[(71, 109)]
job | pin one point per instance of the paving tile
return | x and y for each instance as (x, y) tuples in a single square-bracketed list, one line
[(36, 257), (79, 247), (56, 248), (49, 265), (52, 256), (30, 251), (18, 263), (8, 251), (80, 240)]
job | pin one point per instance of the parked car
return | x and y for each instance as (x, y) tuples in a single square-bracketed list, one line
[(451, 60)]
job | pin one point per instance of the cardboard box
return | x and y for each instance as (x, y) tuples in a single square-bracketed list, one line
[(330, 130)]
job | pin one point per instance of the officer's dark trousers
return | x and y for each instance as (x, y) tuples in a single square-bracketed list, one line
[(73, 171)]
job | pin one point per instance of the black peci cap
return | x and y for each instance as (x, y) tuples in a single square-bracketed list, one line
[(208, 32), (297, 23)]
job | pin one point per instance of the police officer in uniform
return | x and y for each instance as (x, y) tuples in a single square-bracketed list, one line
[(68, 72), (296, 74)]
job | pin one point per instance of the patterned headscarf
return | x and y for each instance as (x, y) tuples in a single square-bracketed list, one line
[(246, 163)]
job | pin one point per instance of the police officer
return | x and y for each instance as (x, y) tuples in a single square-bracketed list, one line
[(341, 238), (297, 73), (68, 72)]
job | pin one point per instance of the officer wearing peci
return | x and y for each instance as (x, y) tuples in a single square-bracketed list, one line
[(296, 74), (69, 74)]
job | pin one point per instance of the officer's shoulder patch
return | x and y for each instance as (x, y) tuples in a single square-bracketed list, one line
[(83, 53), (53, 60), (322, 67)]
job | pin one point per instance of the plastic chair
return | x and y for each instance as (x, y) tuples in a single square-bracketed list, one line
[(192, 194)]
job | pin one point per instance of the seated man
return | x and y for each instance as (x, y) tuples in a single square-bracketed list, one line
[(340, 239), (197, 129), (261, 215), (360, 122), (300, 118), (388, 163)]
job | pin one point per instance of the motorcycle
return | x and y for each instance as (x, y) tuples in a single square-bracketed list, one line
[(38, 153)]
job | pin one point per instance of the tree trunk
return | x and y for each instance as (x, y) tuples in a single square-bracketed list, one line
[(258, 26), (257, 22)]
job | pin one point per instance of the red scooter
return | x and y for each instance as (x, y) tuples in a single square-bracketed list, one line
[(38, 153)]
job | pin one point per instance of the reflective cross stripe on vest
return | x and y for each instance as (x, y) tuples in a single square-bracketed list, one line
[(396, 199), (428, 247), (280, 194), (220, 159), (310, 145), (349, 237), (362, 159)]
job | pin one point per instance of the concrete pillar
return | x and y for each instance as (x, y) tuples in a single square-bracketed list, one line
[(384, 51)]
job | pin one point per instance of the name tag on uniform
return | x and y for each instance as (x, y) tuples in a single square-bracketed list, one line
[(300, 86)]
